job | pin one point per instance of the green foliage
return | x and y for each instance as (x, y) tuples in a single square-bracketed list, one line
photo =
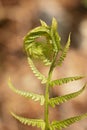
[(49, 51)]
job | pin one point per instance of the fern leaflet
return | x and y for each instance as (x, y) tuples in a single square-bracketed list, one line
[(55, 37), (67, 122), (64, 52), (35, 97), (46, 61), (43, 23), (34, 122), (65, 80), (36, 72), (62, 99)]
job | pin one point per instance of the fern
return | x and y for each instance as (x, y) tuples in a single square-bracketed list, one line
[(35, 97), (67, 122), (26, 121), (50, 52), (65, 98), (65, 80)]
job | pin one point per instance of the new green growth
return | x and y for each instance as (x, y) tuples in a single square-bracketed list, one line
[(52, 54)]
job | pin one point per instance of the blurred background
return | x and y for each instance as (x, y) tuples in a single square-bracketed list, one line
[(17, 17)]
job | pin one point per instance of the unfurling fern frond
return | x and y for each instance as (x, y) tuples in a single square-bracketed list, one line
[(35, 97), (36, 72), (65, 98), (67, 122), (33, 122), (64, 52), (64, 80)]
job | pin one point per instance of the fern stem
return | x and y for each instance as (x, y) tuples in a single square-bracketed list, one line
[(47, 108), (47, 93)]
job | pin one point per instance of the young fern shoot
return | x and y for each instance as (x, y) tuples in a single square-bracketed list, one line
[(47, 52)]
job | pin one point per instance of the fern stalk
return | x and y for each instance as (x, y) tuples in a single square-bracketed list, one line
[(46, 107)]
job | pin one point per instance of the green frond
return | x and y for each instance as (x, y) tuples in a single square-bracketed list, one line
[(67, 122), (65, 98), (35, 97), (33, 122), (64, 52), (65, 80), (36, 72)]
